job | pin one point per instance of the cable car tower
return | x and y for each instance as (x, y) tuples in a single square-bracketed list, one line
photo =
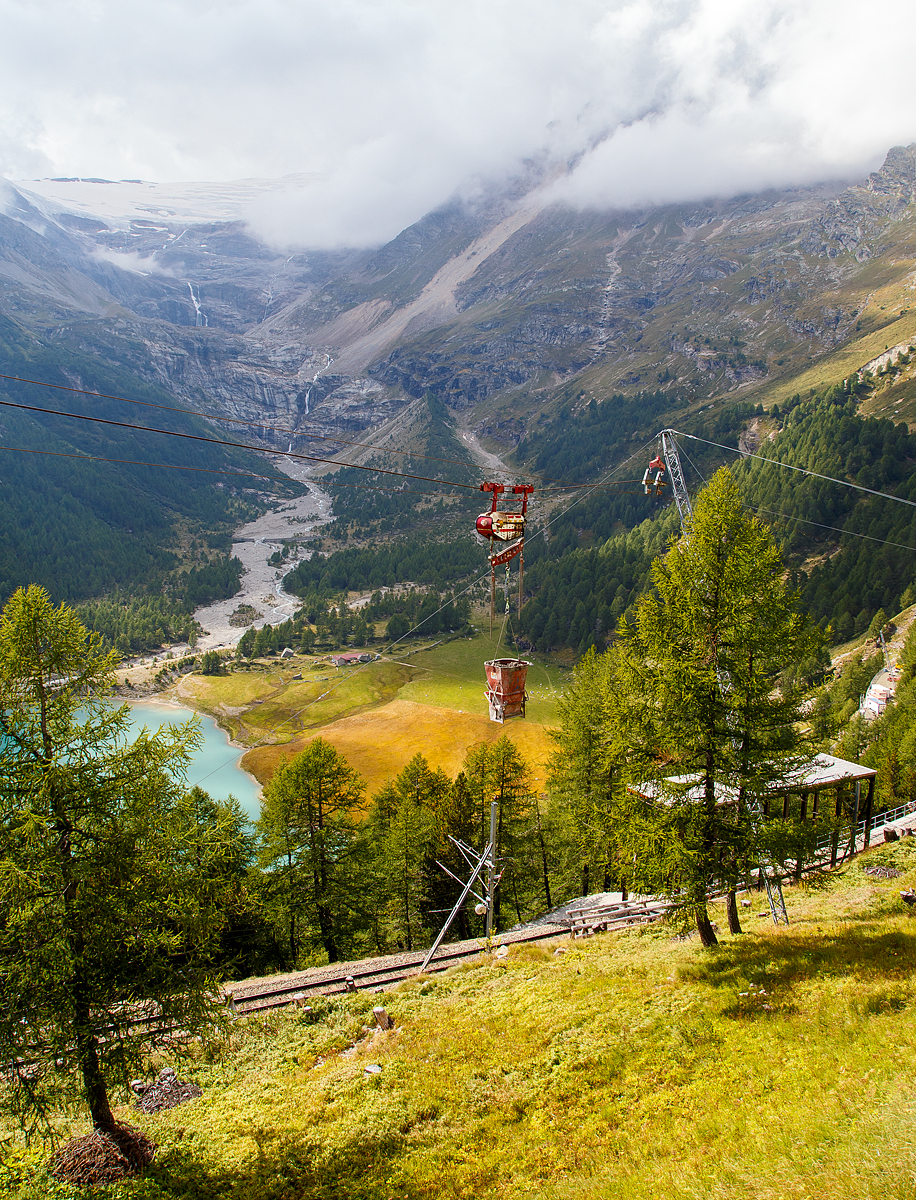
[(654, 483)]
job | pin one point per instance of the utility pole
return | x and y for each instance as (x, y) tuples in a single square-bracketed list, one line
[(479, 860), (492, 877)]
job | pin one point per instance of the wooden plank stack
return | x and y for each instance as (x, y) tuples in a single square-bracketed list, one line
[(586, 920)]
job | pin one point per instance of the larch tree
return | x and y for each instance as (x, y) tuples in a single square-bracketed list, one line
[(403, 821), (102, 919), (497, 771), (307, 832), (694, 721), (583, 780)]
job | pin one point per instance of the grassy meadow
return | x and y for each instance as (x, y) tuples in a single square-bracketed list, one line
[(380, 714), (634, 1066)]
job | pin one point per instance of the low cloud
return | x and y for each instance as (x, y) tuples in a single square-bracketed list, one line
[(129, 260), (394, 106)]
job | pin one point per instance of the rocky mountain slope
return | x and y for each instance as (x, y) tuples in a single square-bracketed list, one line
[(502, 309)]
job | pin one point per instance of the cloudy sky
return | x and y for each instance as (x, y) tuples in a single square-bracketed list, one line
[(393, 106)]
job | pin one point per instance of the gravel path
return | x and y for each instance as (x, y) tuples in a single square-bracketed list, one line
[(318, 977)]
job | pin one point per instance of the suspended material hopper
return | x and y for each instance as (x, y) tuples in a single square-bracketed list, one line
[(506, 688)]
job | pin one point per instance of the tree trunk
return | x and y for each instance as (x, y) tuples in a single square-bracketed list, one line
[(704, 927), (326, 925), (94, 1082), (498, 896), (84, 1036), (292, 904), (544, 866), (731, 907), (585, 879), (518, 911)]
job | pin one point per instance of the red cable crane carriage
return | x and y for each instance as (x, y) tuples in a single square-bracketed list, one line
[(654, 481), (506, 677)]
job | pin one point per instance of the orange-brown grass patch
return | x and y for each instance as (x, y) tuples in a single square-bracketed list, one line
[(380, 743)]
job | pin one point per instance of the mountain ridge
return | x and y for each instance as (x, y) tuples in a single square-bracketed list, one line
[(507, 311)]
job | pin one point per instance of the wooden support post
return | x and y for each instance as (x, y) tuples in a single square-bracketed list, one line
[(868, 807), (835, 840), (815, 804), (785, 806), (855, 820), (799, 862)]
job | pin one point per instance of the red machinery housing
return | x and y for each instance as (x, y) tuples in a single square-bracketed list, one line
[(504, 524), (654, 480)]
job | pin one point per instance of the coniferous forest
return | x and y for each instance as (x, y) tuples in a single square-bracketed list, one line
[(85, 529)]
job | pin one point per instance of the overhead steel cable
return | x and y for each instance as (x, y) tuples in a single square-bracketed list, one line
[(343, 679), (318, 437), (456, 596), (197, 437), (130, 462), (607, 476), (843, 532), (455, 462), (774, 462), (366, 487)]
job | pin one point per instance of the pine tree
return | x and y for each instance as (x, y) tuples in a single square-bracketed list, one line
[(693, 719), (102, 855), (307, 833)]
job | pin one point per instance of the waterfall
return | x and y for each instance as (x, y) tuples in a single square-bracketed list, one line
[(200, 319)]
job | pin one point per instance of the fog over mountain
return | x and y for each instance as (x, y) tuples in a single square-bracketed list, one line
[(390, 109)]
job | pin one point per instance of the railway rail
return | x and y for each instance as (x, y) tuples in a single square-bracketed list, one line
[(371, 973)]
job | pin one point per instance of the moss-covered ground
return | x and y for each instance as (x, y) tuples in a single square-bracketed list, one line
[(628, 1067)]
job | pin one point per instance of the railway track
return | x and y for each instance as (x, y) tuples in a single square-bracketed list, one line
[(370, 974)]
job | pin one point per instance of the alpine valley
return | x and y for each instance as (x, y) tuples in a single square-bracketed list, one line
[(506, 336)]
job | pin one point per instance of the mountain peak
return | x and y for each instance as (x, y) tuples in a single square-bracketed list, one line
[(897, 176)]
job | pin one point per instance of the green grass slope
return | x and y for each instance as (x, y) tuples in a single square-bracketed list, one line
[(632, 1066)]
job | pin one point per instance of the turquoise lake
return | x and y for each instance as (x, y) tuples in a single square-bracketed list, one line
[(215, 767)]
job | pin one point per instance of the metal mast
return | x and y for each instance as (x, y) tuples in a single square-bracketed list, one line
[(676, 475), (685, 510)]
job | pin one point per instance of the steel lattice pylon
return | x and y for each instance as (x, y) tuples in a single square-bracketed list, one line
[(676, 475)]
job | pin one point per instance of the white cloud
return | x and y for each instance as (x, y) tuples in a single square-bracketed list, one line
[(397, 104), (137, 264)]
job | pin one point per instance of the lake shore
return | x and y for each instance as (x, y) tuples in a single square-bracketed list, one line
[(216, 766)]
